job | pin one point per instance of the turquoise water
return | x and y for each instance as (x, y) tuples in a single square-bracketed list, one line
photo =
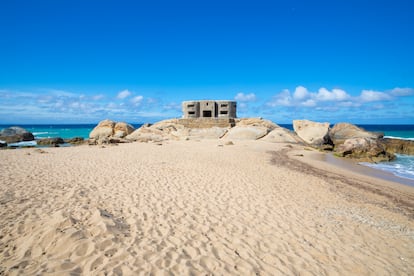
[(63, 131)]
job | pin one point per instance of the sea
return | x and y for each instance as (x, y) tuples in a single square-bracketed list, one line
[(403, 166)]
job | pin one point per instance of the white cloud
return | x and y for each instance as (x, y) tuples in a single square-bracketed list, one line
[(309, 103), (334, 95), (124, 94), (245, 97), (137, 100), (303, 97), (98, 97), (374, 96), (284, 98), (399, 92), (300, 93)]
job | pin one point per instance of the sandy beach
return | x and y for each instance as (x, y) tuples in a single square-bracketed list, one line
[(198, 208)]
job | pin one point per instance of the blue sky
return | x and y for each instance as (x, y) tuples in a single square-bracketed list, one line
[(135, 61)]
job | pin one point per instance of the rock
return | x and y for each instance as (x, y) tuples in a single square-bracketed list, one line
[(15, 134), (104, 129), (122, 129), (50, 142), (343, 131), (398, 146), (247, 132), (257, 122), (115, 140), (75, 140), (147, 134), (282, 135), (312, 133), (364, 149), (207, 133)]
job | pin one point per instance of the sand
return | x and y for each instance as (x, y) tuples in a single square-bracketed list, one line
[(198, 208)]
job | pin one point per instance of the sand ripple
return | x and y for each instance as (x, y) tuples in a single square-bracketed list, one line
[(190, 207)]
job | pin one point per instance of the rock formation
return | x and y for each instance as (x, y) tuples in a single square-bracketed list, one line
[(15, 134), (313, 133), (181, 129), (282, 135), (398, 146), (54, 142), (364, 149), (343, 131), (108, 131), (75, 140), (104, 129), (345, 139), (122, 129)]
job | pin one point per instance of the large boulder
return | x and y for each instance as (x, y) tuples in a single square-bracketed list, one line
[(343, 131), (282, 135), (147, 134), (246, 132), (398, 146), (312, 133), (207, 133), (122, 129), (53, 142), (103, 130), (256, 122), (364, 149), (75, 140), (15, 134)]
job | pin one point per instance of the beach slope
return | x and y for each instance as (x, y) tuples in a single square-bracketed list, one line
[(197, 207)]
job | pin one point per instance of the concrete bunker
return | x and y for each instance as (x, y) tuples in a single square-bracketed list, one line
[(209, 109)]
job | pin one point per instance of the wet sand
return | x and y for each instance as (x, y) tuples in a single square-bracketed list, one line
[(198, 207)]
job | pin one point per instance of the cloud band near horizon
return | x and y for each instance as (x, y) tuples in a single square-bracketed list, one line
[(58, 106)]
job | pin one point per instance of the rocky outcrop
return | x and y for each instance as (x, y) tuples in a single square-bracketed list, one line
[(75, 140), (108, 131), (343, 131), (207, 133), (313, 133), (53, 142), (282, 135), (147, 134), (122, 129), (240, 132), (250, 129), (256, 122), (398, 146), (364, 149), (15, 134), (104, 129)]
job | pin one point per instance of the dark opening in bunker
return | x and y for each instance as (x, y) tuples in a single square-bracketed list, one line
[(207, 113)]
